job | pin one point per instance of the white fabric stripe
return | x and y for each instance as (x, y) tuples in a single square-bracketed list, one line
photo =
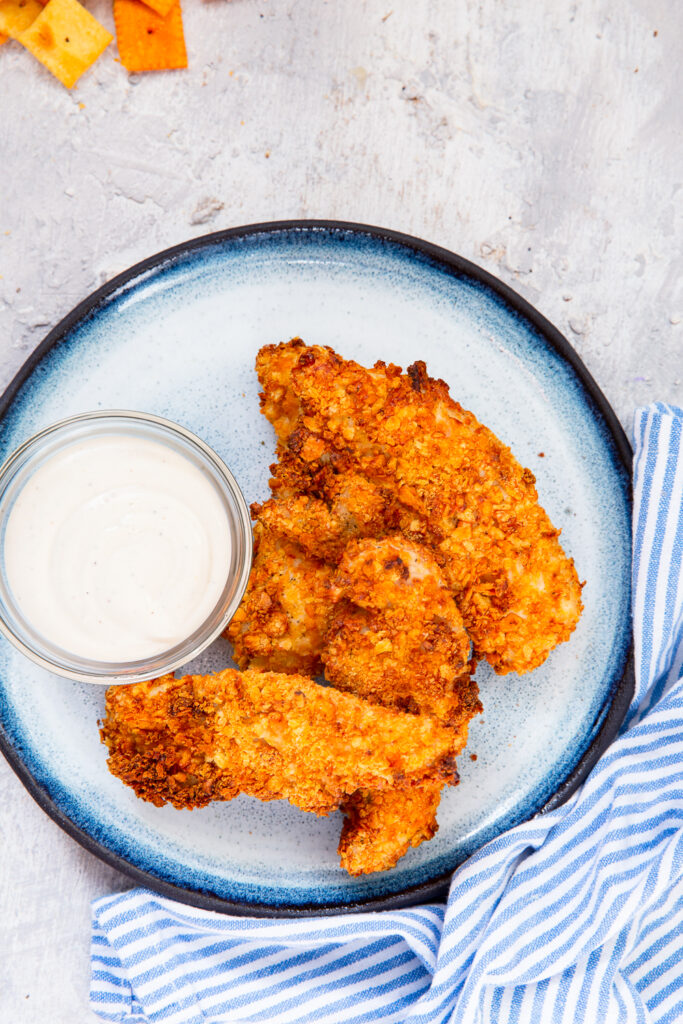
[(653, 486), (568, 1011), (115, 993), (671, 972), (655, 948), (362, 1005), (535, 882), (665, 1009), (310, 929), (556, 995), (379, 964), (139, 946), (149, 921), (597, 1002), (639, 587), (656, 935), (376, 960), (263, 960), (677, 661), (665, 462), (660, 633), (302, 1005), (527, 1004), (581, 923), (282, 974), (507, 970), (673, 510)]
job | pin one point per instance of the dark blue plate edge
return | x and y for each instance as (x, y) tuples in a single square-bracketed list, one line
[(615, 706)]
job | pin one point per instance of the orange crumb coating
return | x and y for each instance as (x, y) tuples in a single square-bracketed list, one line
[(455, 487), (396, 636), (200, 738), (380, 827), (282, 618)]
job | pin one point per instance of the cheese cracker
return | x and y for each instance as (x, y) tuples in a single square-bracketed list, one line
[(66, 39), (149, 41), (17, 15)]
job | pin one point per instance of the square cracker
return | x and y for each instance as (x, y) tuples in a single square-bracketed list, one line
[(66, 39), (148, 41), (17, 15)]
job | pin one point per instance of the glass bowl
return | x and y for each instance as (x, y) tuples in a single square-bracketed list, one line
[(32, 454)]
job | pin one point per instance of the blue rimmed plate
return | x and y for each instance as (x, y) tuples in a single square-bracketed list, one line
[(176, 336)]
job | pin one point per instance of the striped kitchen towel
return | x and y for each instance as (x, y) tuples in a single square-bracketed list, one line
[(573, 917)]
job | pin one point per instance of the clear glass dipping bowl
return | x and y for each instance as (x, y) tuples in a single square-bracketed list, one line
[(17, 470)]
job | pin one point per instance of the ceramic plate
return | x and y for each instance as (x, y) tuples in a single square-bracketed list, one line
[(177, 336)]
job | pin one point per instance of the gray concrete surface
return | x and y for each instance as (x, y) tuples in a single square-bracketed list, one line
[(540, 139)]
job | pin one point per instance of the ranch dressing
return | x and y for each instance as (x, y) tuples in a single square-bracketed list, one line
[(117, 548)]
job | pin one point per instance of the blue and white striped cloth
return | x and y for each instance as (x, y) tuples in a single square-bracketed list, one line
[(573, 917)]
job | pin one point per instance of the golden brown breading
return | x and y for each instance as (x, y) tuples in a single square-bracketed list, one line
[(396, 636), (353, 508), (201, 738), (380, 827), (344, 506), (455, 486), (306, 522), (274, 365), (281, 621), (365, 509)]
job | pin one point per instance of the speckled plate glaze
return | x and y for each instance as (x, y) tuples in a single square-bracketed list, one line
[(177, 336)]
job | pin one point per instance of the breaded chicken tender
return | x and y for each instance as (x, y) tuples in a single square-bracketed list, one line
[(279, 403), (306, 522), (454, 486), (282, 619), (200, 738), (380, 827), (353, 508), (397, 638)]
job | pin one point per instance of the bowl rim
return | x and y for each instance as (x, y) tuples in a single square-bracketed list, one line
[(113, 673), (608, 719)]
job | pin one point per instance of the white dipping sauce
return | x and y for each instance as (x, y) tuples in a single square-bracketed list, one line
[(117, 548)]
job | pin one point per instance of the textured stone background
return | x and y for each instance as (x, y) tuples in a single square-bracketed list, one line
[(540, 139)]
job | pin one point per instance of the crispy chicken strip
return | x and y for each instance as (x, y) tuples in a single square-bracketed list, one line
[(306, 522), (200, 738), (281, 621), (286, 608), (454, 486), (279, 403), (380, 827), (397, 638), (353, 507)]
